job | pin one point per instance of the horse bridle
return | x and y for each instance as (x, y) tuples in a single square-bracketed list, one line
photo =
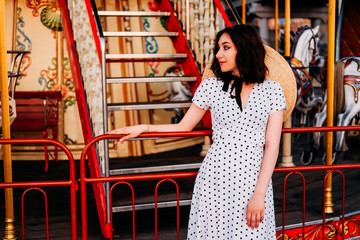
[(313, 37)]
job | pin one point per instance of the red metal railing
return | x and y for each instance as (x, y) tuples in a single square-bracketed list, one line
[(31, 185), (177, 207), (23, 211), (329, 169), (162, 177), (284, 197), (170, 176), (133, 205)]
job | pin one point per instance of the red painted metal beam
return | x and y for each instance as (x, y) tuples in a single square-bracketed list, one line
[(93, 27), (83, 112), (223, 13)]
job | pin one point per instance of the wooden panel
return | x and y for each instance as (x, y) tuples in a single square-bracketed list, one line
[(36, 111), (350, 29)]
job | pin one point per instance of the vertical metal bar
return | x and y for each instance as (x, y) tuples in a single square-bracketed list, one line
[(243, 11), (287, 157), (287, 28), (105, 119), (83, 194), (9, 201), (187, 20), (330, 96), (327, 176)]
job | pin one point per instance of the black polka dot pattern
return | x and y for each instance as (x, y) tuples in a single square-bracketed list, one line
[(229, 172)]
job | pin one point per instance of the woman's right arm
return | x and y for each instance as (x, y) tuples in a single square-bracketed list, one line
[(189, 121)]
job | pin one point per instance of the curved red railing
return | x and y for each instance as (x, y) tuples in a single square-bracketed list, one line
[(46, 211), (343, 203), (303, 212), (35, 184), (84, 180), (133, 206), (177, 207)]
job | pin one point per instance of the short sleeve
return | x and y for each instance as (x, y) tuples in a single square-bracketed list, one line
[(202, 97), (277, 99)]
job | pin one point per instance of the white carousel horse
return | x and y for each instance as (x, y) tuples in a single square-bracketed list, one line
[(346, 104), (178, 91), (303, 54), (350, 105)]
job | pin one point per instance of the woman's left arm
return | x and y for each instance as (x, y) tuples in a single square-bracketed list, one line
[(256, 205)]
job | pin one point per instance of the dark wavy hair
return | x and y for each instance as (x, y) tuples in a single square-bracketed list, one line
[(250, 54)]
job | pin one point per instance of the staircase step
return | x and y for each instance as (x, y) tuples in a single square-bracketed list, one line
[(145, 57), (144, 206), (147, 105), (176, 167), (141, 34), (150, 79), (133, 14)]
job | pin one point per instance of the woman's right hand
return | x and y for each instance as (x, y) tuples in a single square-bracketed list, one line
[(130, 132)]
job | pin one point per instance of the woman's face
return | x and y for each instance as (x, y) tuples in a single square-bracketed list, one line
[(227, 55)]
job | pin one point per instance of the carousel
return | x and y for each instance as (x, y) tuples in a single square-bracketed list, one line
[(73, 70)]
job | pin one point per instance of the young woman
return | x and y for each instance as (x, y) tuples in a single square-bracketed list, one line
[(233, 197)]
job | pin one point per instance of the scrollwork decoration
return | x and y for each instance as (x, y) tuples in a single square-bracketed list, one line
[(314, 233), (50, 14), (151, 44), (35, 5), (22, 38), (351, 227), (68, 140), (48, 79), (51, 19)]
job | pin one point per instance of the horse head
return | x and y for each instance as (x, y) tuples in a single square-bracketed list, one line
[(303, 53), (305, 44)]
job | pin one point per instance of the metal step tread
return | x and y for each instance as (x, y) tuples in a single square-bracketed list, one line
[(144, 56), (150, 79), (133, 14), (144, 206), (147, 105), (176, 167), (141, 34)]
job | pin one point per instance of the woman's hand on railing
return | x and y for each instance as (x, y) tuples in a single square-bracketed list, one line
[(130, 132)]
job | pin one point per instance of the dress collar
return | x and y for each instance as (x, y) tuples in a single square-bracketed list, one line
[(237, 84)]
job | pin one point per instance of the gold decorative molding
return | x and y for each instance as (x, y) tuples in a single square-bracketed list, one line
[(35, 5)]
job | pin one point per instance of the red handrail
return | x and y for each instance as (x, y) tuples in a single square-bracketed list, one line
[(31, 184), (83, 108)]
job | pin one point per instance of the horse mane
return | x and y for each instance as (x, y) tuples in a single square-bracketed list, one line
[(339, 95), (296, 38)]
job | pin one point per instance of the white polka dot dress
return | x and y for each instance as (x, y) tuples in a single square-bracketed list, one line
[(229, 172)]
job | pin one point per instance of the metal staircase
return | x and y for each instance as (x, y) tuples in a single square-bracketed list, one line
[(84, 38), (183, 56)]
